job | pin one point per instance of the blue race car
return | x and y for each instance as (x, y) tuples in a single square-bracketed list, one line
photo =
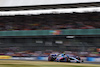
[(64, 58), (58, 57)]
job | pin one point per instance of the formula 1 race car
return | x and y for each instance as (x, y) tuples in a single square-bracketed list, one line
[(64, 58), (76, 60), (52, 57)]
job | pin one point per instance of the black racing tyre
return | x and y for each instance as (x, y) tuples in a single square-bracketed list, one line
[(51, 59), (77, 62), (82, 60)]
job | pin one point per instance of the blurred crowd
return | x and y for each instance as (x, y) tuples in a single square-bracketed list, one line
[(47, 53), (30, 53), (85, 20), (51, 21)]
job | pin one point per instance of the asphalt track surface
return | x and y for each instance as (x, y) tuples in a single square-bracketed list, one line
[(85, 62), (88, 62), (24, 63)]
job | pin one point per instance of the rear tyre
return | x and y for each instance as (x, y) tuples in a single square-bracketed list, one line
[(51, 59), (77, 62)]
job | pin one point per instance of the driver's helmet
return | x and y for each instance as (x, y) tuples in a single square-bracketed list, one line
[(63, 53)]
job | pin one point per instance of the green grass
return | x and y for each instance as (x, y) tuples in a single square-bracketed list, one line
[(22, 65), (16, 63)]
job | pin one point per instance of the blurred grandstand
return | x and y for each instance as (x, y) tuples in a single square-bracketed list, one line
[(24, 32)]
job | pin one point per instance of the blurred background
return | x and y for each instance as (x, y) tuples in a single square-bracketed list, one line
[(37, 29)]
